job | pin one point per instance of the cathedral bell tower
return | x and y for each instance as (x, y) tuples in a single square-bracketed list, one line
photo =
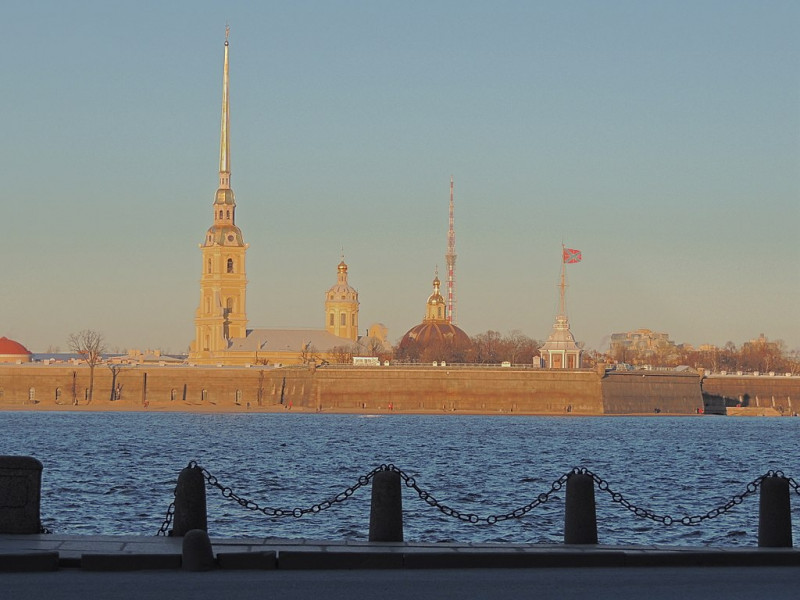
[(221, 315)]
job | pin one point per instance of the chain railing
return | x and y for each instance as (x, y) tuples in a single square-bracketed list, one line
[(469, 517)]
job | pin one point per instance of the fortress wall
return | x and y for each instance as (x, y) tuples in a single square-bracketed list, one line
[(421, 389), (648, 392), (763, 391), (444, 389), (167, 387)]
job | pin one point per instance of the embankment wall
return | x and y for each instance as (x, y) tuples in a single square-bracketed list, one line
[(369, 389), (755, 391), (657, 392)]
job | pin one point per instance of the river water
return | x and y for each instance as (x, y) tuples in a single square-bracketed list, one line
[(114, 473)]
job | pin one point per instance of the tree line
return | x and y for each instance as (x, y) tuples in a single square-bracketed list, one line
[(759, 355)]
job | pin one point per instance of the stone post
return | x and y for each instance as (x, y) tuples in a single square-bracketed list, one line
[(20, 494), (196, 551), (580, 514), (774, 514), (190, 502), (386, 511)]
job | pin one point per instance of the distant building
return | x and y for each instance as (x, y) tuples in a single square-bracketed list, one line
[(222, 335), (560, 351), (13, 352), (341, 307), (641, 344), (436, 332), (221, 316)]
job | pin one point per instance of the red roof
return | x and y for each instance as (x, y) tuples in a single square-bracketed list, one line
[(8, 346)]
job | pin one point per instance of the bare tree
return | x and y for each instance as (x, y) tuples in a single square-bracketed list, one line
[(116, 388), (90, 345), (308, 353)]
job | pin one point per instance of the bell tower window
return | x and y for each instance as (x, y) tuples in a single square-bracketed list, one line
[(230, 265)]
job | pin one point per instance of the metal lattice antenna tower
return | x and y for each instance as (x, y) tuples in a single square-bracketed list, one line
[(450, 258)]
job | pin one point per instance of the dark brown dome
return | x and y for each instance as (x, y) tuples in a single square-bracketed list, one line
[(429, 333)]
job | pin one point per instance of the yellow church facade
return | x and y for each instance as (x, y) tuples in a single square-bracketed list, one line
[(222, 336)]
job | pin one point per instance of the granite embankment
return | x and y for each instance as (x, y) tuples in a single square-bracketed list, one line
[(753, 395), (403, 389)]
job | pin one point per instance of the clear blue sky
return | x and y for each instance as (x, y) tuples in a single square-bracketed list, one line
[(662, 139)]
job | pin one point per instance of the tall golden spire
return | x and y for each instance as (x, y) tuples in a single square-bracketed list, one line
[(221, 316), (224, 138)]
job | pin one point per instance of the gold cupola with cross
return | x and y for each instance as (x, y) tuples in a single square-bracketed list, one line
[(221, 315)]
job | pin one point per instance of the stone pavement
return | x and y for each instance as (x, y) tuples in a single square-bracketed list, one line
[(68, 567), (50, 552)]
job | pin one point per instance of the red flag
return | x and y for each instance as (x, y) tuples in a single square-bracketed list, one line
[(572, 256)]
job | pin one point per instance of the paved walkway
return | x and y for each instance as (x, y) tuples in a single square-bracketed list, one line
[(68, 567), (43, 552)]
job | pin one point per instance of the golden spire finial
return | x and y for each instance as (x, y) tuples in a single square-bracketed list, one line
[(224, 139)]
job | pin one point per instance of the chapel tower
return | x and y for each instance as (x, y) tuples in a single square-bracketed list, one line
[(221, 315), (341, 306)]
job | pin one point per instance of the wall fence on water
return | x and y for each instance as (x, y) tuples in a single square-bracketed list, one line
[(427, 389)]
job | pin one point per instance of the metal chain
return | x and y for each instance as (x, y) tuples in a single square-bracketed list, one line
[(471, 517), (792, 483), (164, 529), (517, 513), (228, 493), (644, 513)]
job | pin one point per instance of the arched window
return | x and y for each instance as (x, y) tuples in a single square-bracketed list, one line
[(173, 394), (440, 312), (229, 306), (353, 320), (58, 395), (331, 322), (230, 265), (238, 396), (204, 395), (220, 214), (343, 319), (227, 214), (209, 265)]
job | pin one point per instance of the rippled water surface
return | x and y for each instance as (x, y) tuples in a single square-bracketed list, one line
[(114, 473)]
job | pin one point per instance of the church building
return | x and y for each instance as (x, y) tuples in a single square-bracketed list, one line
[(221, 333)]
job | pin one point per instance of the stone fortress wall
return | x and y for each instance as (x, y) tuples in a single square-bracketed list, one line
[(418, 389), (761, 394)]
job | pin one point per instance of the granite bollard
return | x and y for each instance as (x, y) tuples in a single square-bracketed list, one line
[(190, 502), (386, 511), (580, 512), (774, 514), (20, 494), (196, 552)]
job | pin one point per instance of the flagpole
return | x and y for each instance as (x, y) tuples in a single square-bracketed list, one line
[(562, 303)]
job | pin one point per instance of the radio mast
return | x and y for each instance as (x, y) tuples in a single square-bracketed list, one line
[(450, 259)]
